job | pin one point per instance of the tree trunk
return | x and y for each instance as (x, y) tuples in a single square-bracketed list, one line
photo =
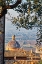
[(2, 39)]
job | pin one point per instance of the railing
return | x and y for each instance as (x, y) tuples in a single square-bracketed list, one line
[(22, 58)]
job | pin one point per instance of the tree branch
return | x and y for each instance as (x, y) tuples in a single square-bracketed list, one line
[(14, 5)]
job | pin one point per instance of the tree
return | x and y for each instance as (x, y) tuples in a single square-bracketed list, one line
[(39, 35), (25, 9), (5, 4)]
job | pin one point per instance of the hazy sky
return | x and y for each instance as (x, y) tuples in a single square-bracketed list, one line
[(12, 13)]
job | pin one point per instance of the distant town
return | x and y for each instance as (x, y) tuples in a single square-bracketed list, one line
[(26, 53)]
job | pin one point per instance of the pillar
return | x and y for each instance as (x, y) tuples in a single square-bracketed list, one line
[(2, 39)]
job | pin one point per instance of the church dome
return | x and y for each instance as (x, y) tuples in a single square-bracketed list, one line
[(12, 44)]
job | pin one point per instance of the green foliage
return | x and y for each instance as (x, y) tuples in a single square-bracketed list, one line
[(40, 62), (27, 8), (5, 2), (21, 21)]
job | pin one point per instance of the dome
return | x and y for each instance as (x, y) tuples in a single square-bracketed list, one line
[(12, 44)]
